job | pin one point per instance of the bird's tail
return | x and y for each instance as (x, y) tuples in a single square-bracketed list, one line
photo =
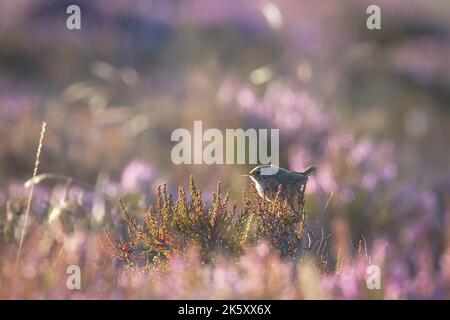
[(310, 171)]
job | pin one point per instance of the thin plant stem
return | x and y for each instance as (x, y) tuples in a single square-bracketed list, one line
[(30, 196)]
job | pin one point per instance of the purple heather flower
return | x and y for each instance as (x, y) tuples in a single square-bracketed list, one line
[(138, 176)]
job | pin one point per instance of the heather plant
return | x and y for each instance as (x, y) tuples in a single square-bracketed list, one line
[(171, 227)]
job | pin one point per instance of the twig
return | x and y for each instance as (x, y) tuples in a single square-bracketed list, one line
[(365, 249), (322, 212), (379, 252), (320, 243), (311, 232)]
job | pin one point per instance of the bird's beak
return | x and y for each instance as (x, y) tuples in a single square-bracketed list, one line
[(245, 175)]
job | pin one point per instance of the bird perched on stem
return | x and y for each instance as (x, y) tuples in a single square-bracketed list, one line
[(290, 181)]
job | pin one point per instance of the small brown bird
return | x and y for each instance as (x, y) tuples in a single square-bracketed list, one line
[(267, 185)]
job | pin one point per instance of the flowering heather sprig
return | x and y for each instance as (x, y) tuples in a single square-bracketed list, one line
[(171, 227), (116, 249), (282, 224)]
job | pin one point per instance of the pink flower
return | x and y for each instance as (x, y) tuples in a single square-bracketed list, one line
[(138, 176)]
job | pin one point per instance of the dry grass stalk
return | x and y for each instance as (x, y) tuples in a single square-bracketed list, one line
[(30, 196)]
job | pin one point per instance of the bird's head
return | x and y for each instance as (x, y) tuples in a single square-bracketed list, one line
[(262, 172)]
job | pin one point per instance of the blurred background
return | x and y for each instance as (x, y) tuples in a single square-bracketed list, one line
[(370, 108)]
